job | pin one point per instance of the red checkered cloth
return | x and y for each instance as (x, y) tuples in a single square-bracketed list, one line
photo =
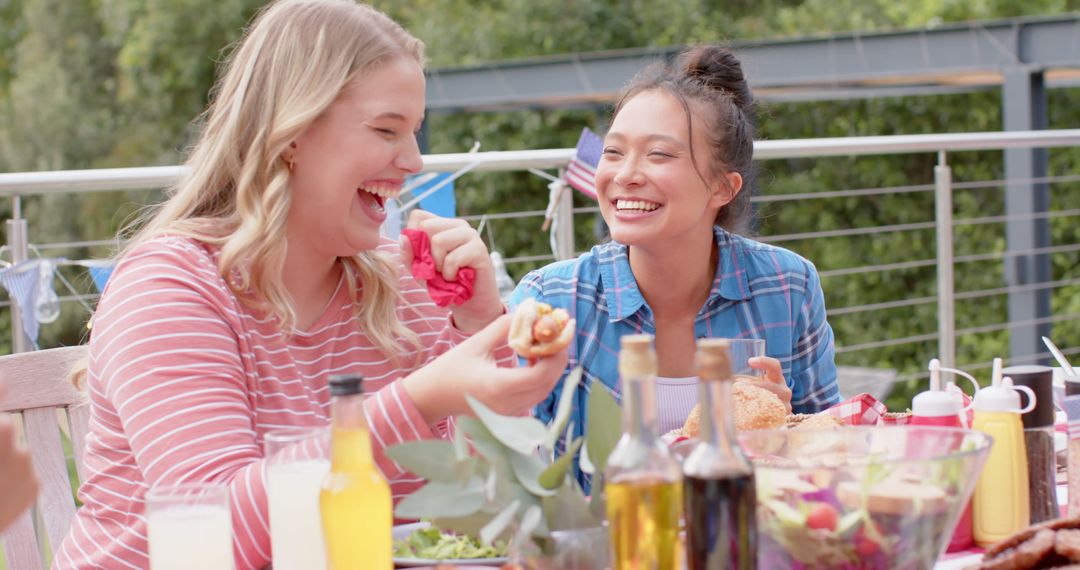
[(861, 410), (866, 410)]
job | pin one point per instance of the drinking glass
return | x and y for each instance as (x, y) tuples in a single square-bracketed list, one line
[(581, 549), (189, 527), (741, 350), (578, 549), (296, 465)]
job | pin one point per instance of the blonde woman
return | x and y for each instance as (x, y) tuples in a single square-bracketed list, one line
[(264, 274)]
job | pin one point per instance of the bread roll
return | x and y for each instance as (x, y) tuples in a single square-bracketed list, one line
[(755, 408)]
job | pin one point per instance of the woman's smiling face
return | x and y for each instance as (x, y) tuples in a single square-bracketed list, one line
[(353, 158), (649, 188)]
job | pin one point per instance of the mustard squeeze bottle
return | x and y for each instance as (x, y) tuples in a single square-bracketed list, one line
[(1000, 505)]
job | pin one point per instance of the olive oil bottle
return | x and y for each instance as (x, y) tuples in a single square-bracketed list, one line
[(643, 480)]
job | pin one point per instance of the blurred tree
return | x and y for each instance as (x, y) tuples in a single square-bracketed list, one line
[(102, 83)]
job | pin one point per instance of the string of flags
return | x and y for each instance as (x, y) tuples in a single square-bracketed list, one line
[(30, 283), (579, 174), (30, 287)]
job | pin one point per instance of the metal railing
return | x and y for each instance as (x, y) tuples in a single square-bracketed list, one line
[(17, 185)]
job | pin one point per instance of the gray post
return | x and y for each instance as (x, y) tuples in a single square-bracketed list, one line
[(1024, 108), (944, 218), (16, 241), (564, 229)]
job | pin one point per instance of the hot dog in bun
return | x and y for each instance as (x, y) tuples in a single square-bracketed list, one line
[(539, 330)]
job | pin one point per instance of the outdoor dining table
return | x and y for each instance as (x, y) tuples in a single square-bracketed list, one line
[(953, 560), (969, 558)]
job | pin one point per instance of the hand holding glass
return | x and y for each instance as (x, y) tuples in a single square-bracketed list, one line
[(741, 351)]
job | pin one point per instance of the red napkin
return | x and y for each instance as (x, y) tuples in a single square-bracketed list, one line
[(443, 292)]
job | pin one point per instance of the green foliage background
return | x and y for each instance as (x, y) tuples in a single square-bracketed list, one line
[(114, 83)]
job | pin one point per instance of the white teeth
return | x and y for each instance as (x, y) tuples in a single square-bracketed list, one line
[(635, 205), (383, 190)]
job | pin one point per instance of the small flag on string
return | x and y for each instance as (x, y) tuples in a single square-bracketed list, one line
[(581, 173), (25, 282), (100, 271), (436, 193)]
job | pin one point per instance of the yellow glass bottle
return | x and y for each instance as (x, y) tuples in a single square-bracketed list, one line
[(643, 481), (356, 505)]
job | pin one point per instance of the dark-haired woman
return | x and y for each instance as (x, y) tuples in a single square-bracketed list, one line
[(673, 185)]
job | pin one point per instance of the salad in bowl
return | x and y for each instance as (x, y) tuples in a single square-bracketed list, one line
[(861, 497)]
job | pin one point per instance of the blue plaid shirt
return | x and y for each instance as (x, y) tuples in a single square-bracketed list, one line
[(759, 291)]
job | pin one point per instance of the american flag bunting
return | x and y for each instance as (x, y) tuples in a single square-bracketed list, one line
[(581, 173)]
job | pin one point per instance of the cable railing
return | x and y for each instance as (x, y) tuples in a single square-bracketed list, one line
[(19, 185)]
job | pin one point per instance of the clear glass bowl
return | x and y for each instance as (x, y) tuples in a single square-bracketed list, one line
[(861, 497)]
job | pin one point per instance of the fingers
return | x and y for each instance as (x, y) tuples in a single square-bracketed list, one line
[(492, 336), (522, 388), (406, 251), (780, 390), (554, 364), (417, 217), (454, 243), (16, 475), (773, 380), (770, 366), (7, 437), (468, 252)]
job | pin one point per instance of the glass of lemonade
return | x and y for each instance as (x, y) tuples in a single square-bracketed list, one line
[(189, 527), (741, 351), (296, 465)]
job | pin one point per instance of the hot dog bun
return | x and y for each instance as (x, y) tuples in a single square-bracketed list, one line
[(539, 330)]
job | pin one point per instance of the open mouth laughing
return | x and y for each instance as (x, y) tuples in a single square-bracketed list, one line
[(376, 193)]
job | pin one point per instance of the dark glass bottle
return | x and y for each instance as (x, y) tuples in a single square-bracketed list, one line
[(718, 480)]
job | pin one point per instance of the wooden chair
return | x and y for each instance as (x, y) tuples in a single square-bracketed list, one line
[(39, 389)]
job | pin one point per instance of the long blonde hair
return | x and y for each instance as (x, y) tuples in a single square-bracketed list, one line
[(292, 62)]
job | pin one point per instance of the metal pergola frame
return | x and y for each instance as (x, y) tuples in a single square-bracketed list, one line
[(944, 59), (1022, 57)]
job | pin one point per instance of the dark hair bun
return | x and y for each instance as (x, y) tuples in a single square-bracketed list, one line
[(718, 69)]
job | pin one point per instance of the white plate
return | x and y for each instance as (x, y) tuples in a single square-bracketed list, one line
[(404, 530), (417, 562), (959, 562)]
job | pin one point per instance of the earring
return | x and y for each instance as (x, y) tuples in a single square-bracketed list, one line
[(290, 163), (236, 280)]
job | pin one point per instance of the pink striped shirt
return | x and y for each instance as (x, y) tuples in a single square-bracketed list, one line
[(184, 381)]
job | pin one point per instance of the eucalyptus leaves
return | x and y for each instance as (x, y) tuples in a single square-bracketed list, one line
[(507, 489)]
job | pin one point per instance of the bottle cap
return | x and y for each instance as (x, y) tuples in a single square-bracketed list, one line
[(346, 385), (999, 395), (936, 402), (713, 359), (1041, 381), (637, 357)]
